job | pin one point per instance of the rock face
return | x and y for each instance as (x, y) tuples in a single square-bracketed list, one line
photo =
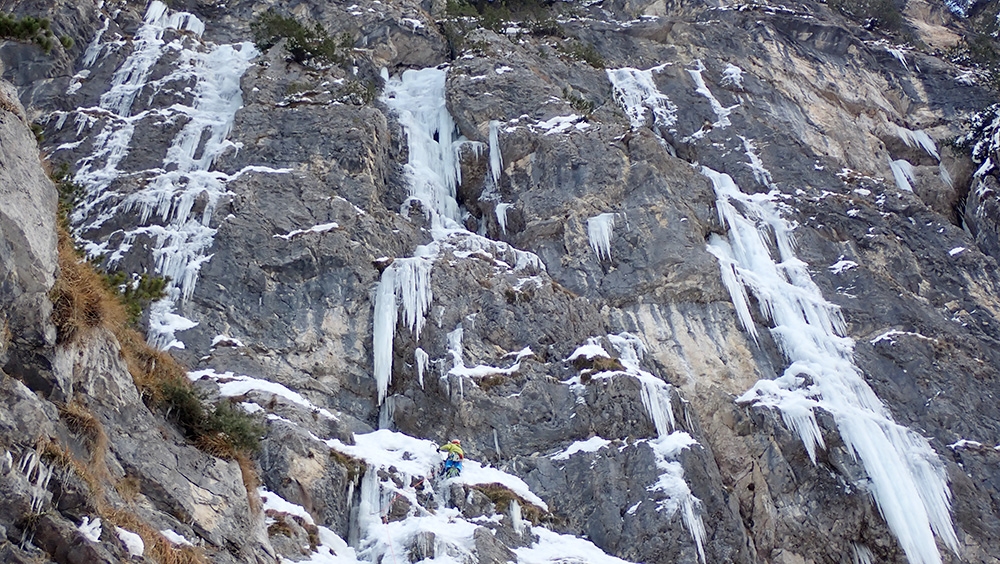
[(691, 282)]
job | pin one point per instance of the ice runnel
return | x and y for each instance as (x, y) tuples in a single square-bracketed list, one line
[(908, 480), (180, 242), (496, 159), (637, 93)]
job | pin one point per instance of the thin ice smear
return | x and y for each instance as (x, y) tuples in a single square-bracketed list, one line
[(908, 481), (636, 92)]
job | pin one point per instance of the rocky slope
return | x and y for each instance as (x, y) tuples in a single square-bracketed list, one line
[(691, 281)]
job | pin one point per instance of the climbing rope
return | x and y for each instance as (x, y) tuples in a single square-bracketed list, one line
[(384, 514)]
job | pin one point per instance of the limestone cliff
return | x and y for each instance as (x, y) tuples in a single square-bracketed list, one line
[(691, 281)]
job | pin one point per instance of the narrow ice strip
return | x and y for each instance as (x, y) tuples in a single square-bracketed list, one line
[(555, 548), (721, 112), (656, 398), (321, 228), (599, 230), (593, 444), (918, 138), (760, 173), (671, 482), (496, 159), (232, 385), (956, 251), (908, 480), (636, 92)]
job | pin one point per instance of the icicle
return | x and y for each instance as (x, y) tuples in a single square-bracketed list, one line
[(599, 232), (515, 517), (902, 171), (422, 359), (384, 327), (501, 211), (918, 138), (908, 480), (407, 282), (496, 159), (496, 443), (387, 413)]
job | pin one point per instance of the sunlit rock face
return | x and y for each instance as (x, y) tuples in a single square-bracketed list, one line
[(690, 282)]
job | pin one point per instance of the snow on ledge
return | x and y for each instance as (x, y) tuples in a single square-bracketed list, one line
[(593, 444)]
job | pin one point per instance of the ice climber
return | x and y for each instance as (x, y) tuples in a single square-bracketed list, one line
[(452, 464)]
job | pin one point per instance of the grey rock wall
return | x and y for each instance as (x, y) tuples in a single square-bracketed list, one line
[(820, 103)]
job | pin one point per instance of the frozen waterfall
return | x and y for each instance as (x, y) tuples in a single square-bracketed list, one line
[(908, 481)]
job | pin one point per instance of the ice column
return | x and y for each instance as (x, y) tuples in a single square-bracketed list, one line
[(907, 480), (434, 169)]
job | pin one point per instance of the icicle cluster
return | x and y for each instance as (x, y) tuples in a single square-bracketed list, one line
[(908, 481), (406, 281), (599, 232), (637, 93)]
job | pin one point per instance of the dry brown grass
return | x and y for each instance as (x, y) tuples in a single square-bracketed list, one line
[(80, 299), (251, 481), (81, 421), (157, 546)]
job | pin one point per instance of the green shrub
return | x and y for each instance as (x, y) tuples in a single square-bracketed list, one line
[(28, 29), (303, 43), (67, 42), (582, 105), (240, 429)]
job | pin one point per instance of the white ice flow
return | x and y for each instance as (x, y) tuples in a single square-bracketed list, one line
[(907, 480), (637, 93), (417, 97), (179, 238)]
